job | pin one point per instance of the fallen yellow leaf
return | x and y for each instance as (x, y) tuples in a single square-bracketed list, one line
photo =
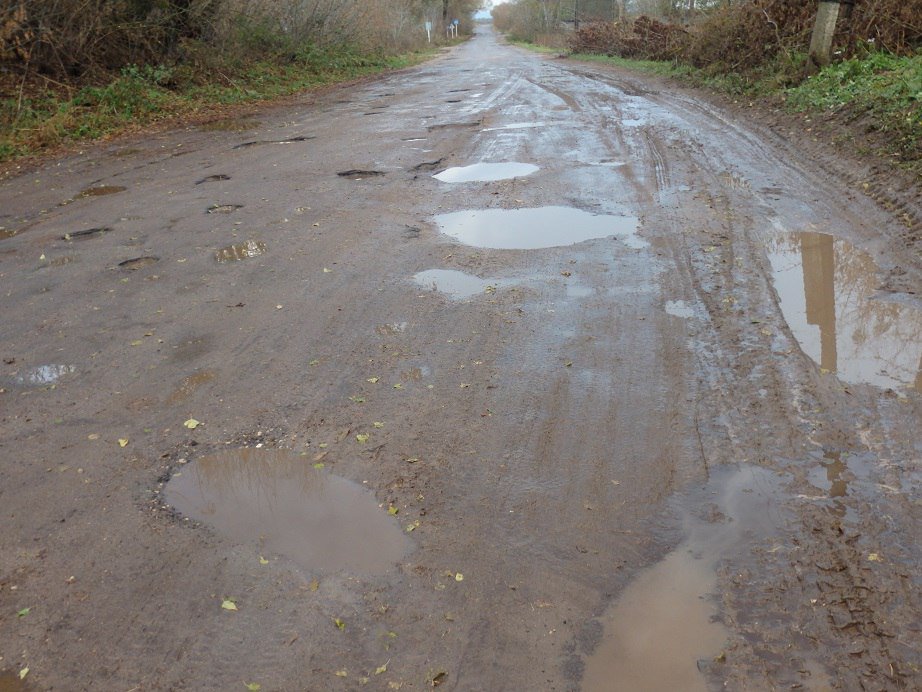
[(122, 442), (228, 604), (192, 424)]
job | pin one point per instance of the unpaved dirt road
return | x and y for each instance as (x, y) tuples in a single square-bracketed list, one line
[(440, 442)]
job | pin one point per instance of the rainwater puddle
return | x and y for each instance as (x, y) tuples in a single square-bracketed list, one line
[(529, 229), (101, 190), (828, 290), (11, 682), (41, 375), (275, 499), (485, 172), (454, 284), (514, 126), (679, 308), (663, 623), (241, 251)]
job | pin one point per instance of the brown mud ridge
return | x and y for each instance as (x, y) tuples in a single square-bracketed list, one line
[(616, 390)]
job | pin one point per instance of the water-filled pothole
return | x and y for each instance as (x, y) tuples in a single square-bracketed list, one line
[(533, 228), (240, 251), (276, 500), (453, 283), (663, 623), (40, 375), (485, 172), (827, 290)]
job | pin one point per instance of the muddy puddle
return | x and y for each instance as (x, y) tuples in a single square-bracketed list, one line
[(485, 172), (241, 251), (39, 376), (11, 682), (534, 228), (278, 502), (665, 621), (455, 284), (829, 297)]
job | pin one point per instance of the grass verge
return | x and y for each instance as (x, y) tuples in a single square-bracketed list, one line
[(35, 120)]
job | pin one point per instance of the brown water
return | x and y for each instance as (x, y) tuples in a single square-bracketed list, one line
[(534, 228), (664, 622), (10, 682), (278, 502), (829, 297)]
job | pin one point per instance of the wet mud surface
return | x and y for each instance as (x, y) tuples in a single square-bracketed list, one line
[(280, 407)]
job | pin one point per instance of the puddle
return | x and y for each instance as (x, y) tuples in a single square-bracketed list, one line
[(101, 191), (392, 328), (664, 622), (41, 375), (827, 290), (533, 228), (829, 475), (678, 308), (514, 126), (241, 251), (485, 172), (139, 262), (11, 682), (189, 385), (7, 233), (276, 500), (453, 283), (223, 208)]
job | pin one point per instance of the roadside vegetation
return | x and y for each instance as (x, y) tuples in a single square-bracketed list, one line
[(758, 49), (73, 70)]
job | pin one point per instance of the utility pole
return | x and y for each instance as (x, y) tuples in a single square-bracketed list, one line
[(576, 15), (821, 43)]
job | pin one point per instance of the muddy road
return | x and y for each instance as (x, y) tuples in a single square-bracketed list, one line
[(500, 373)]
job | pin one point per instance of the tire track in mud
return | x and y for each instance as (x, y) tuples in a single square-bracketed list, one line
[(733, 281)]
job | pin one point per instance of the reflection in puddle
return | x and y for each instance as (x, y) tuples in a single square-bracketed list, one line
[(827, 291), (101, 190), (485, 172), (42, 375), (239, 251), (533, 228), (678, 308), (276, 499), (663, 623), (514, 126), (454, 283)]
